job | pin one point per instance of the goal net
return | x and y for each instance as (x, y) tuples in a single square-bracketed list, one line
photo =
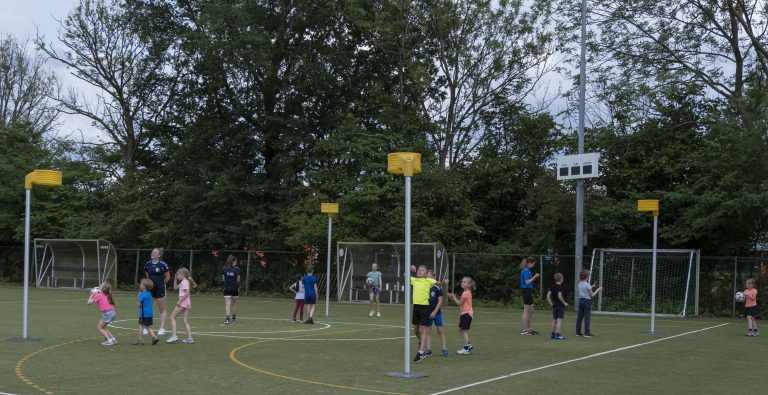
[(355, 260), (625, 275)]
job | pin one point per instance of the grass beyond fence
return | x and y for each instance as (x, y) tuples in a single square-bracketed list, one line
[(350, 352)]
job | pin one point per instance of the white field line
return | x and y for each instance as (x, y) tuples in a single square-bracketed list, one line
[(506, 376)]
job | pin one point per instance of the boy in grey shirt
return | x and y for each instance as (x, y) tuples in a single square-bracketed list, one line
[(585, 295)]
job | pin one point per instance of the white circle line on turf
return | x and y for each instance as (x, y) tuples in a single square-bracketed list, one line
[(506, 376), (310, 339), (208, 333)]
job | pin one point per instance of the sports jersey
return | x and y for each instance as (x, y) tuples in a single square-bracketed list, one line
[(103, 302), (156, 272), (421, 288), (747, 301), (230, 276), (466, 304), (434, 293), (526, 275), (309, 286), (145, 304), (375, 278), (299, 290), (554, 289)]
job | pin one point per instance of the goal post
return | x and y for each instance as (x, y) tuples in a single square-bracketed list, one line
[(626, 275)]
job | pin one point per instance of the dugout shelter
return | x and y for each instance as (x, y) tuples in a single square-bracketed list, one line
[(74, 263)]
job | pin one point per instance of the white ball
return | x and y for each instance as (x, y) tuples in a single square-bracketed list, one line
[(95, 290), (368, 280), (740, 296)]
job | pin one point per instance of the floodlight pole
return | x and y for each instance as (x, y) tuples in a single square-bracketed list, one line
[(40, 177), (407, 164), (330, 209), (579, 253)]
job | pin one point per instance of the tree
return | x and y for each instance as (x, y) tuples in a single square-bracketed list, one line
[(25, 88), (482, 52)]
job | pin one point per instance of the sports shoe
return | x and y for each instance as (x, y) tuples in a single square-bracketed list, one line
[(137, 342), (532, 332), (419, 356), (309, 321), (146, 332), (469, 347), (463, 351), (172, 339), (114, 340), (445, 353), (107, 343), (558, 337), (161, 331), (155, 340), (293, 320), (188, 341), (552, 336), (378, 314), (588, 335), (370, 314), (579, 334), (428, 352), (755, 332), (524, 332), (226, 321)]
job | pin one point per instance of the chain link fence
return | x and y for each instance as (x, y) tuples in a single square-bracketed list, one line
[(497, 276)]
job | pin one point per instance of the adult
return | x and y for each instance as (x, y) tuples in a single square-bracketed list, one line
[(526, 288), (157, 271), (231, 278)]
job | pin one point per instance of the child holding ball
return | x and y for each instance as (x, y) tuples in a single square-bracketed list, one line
[(103, 298), (750, 307)]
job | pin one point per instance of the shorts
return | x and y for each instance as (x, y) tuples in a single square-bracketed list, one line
[(145, 321), (751, 311), (558, 312), (420, 315), (108, 316), (527, 296), (232, 291), (373, 289), (158, 291), (465, 321), (310, 299), (438, 320)]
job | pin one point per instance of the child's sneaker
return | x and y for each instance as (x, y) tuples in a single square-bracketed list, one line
[(463, 351), (137, 342), (113, 340), (749, 332), (524, 332), (172, 339), (588, 335), (107, 343), (532, 332), (419, 356), (146, 332), (309, 321), (445, 353), (558, 337), (155, 340), (378, 314), (755, 332), (188, 341), (428, 352), (469, 347), (370, 314), (161, 332), (578, 334), (226, 321), (551, 335)]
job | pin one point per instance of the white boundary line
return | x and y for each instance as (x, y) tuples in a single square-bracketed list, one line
[(6, 393), (575, 360)]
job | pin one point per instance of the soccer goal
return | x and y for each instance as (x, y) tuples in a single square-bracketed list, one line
[(625, 275), (355, 259), (67, 263)]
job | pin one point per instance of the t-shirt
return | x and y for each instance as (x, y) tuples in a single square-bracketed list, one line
[(554, 289), (375, 278), (309, 286), (747, 301), (103, 302), (230, 276), (434, 293), (145, 304), (184, 285), (585, 289), (299, 290), (420, 290), (156, 272), (466, 304), (526, 275)]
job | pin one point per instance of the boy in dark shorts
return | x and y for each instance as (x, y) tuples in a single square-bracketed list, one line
[(556, 299), (145, 312)]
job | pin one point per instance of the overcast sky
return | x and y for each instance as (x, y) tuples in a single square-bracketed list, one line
[(20, 18)]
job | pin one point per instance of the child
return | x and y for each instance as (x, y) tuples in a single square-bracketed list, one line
[(466, 312), (298, 289), (231, 278), (526, 286), (750, 307), (435, 315), (420, 285), (145, 312), (310, 293), (585, 303), (182, 281), (557, 292), (374, 288), (106, 304)]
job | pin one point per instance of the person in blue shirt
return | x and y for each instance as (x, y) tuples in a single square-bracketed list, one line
[(526, 287), (231, 278), (157, 270), (144, 304), (310, 292)]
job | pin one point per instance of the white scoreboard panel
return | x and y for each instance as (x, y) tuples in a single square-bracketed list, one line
[(574, 167)]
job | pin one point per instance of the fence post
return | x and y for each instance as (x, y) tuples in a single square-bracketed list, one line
[(541, 277), (136, 275), (191, 259), (453, 275), (735, 274), (248, 273)]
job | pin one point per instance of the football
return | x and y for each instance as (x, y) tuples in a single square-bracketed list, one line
[(95, 290), (739, 296), (368, 280)]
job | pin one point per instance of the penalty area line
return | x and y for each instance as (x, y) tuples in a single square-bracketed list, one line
[(506, 376)]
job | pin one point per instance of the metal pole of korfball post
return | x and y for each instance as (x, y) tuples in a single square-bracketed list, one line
[(653, 275), (27, 211), (328, 268)]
